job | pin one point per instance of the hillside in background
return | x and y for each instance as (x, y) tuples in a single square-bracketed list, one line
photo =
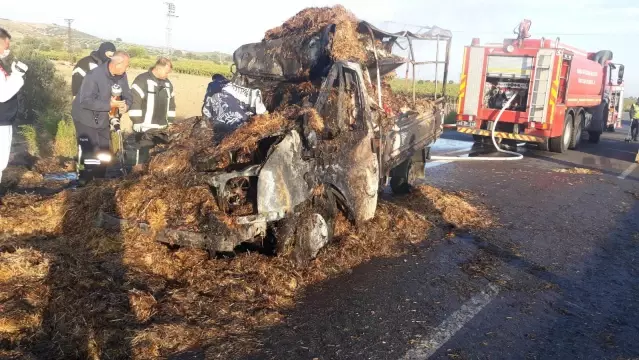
[(53, 37)]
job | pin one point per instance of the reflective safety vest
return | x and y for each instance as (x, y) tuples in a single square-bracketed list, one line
[(635, 111)]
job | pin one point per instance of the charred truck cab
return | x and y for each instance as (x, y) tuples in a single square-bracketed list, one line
[(300, 178), (560, 91)]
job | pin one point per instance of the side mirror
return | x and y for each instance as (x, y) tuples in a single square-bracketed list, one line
[(620, 75)]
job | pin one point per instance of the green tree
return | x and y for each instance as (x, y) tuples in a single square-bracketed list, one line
[(44, 92), (137, 51), (56, 45), (31, 43)]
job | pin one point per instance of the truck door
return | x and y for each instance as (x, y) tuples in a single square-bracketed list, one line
[(345, 158)]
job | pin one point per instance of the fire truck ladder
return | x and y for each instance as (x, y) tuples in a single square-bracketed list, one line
[(541, 85)]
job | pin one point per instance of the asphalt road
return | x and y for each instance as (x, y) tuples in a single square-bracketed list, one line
[(557, 279)]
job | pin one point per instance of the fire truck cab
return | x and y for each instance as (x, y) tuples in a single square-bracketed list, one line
[(559, 91)]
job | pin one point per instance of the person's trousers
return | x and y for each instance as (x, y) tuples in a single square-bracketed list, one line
[(634, 129), (91, 142), (6, 133), (143, 148)]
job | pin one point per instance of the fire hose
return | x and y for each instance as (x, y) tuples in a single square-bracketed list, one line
[(516, 156)]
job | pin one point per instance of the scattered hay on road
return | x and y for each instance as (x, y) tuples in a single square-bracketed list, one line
[(578, 171), (121, 294)]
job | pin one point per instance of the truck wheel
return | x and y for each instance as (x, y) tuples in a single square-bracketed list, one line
[(304, 234), (544, 146), (576, 134), (478, 138), (561, 143), (405, 174)]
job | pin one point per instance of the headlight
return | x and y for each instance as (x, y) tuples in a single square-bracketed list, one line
[(104, 157)]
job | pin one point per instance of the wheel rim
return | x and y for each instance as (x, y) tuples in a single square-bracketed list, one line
[(317, 234), (578, 131), (567, 132)]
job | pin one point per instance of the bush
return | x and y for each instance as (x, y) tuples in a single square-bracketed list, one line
[(45, 94), (137, 52), (426, 88), (56, 45), (191, 67), (65, 144), (627, 103), (451, 118), (30, 135)]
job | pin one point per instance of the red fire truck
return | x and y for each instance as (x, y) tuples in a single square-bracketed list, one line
[(559, 91), (615, 103)]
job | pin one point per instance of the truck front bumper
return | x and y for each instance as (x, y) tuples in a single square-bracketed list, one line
[(502, 135)]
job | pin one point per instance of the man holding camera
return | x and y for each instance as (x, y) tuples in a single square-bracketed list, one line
[(10, 84), (91, 114)]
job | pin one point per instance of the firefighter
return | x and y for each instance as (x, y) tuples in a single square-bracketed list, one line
[(10, 85), (90, 113), (634, 118), (88, 63), (153, 104)]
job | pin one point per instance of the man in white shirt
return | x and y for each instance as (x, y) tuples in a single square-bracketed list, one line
[(10, 85)]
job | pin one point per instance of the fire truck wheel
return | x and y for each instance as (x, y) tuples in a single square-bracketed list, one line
[(594, 137), (543, 146), (576, 135), (561, 143), (478, 138)]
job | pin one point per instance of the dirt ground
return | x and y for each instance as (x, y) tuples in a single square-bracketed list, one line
[(189, 90)]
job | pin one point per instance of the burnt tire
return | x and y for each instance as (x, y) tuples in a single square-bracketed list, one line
[(302, 236), (404, 175), (560, 144)]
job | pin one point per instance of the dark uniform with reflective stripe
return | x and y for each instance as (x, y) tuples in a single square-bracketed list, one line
[(153, 108), (90, 113), (87, 64)]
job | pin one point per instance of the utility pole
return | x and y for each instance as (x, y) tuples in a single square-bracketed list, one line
[(169, 15), (69, 46)]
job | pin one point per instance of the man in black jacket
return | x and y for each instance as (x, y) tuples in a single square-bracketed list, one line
[(10, 85), (90, 114), (88, 63), (153, 104)]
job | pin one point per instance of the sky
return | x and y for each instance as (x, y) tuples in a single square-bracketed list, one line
[(591, 25)]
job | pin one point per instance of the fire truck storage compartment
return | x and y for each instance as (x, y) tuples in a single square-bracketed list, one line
[(505, 76)]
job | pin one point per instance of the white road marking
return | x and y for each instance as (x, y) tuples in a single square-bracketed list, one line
[(628, 171), (455, 322)]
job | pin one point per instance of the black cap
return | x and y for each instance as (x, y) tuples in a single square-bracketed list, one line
[(104, 48)]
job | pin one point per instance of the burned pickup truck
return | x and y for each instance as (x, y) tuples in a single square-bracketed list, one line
[(335, 155)]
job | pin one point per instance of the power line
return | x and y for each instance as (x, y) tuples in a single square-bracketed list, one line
[(169, 15), (69, 37)]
